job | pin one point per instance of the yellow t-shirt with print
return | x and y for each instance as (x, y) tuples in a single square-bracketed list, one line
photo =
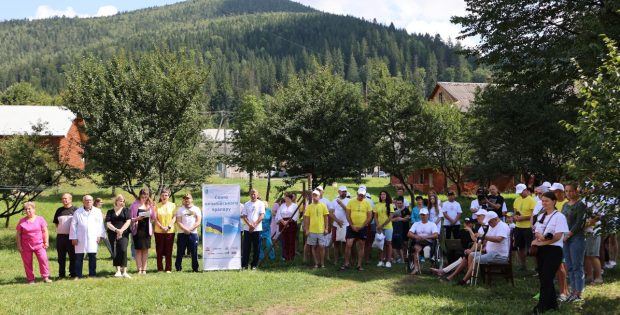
[(524, 206), (382, 216), (559, 205), (359, 211), (165, 213), (316, 213)]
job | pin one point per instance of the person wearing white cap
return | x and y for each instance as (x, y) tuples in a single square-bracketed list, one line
[(423, 233), (558, 190), (480, 216), (496, 244), (359, 214), (523, 207), (315, 227), (340, 223)]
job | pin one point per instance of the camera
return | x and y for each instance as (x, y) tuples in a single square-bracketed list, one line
[(548, 236)]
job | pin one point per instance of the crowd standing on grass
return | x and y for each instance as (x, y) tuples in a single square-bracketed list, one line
[(557, 227)]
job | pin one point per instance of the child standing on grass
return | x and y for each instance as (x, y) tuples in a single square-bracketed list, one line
[(33, 238)]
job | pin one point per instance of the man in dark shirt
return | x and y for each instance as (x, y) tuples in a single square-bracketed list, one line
[(62, 220), (495, 201), (400, 225)]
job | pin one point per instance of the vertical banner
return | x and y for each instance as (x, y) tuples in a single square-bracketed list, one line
[(221, 227)]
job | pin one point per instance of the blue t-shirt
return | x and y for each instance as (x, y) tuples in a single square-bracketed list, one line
[(415, 215), (267, 221)]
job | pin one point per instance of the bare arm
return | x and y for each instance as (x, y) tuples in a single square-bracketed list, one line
[(18, 239)]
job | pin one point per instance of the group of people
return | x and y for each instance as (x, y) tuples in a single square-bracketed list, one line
[(81, 230), (556, 226)]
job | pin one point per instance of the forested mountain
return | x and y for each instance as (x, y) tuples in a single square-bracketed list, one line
[(250, 46)]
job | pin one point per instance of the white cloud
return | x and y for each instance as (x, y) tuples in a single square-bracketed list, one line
[(107, 10), (46, 12), (416, 16)]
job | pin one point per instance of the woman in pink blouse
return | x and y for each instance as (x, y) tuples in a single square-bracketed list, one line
[(32, 237)]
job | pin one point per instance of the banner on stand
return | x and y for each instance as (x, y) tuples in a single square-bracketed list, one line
[(221, 227)]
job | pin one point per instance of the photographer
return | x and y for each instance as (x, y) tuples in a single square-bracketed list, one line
[(548, 238), (495, 202)]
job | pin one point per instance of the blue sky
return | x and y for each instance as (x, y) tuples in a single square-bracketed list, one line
[(416, 16)]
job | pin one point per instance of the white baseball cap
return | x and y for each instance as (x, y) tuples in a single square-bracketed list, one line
[(319, 188), (520, 188), (361, 191), (481, 212), (546, 184), (316, 192), (424, 211), (490, 216), (342, 188), (557, 186)]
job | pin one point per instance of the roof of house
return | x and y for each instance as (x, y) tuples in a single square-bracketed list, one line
[(19, 119), (218, 134), (464, 92)]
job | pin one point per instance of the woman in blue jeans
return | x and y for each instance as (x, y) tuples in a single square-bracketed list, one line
[(574, 241)]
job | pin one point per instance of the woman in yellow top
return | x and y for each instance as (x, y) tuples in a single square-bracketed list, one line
[(383, 217), (164, 230)]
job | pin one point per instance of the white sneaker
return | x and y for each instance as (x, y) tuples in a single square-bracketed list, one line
[(388, 265), (380, 264), (612, 264), (607, 265), (118, 274), (126, 275)]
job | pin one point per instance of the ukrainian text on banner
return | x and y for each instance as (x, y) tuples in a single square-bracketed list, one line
[(221, 227)]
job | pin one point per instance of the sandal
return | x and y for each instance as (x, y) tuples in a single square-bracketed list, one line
[(344, 267), (359, 268)]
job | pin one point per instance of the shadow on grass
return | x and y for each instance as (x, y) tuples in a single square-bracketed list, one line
[(22, 279)]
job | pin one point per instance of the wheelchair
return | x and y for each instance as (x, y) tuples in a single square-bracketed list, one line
[(436, 258)]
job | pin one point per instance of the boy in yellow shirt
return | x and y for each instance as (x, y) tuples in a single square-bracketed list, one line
[(316, 228)]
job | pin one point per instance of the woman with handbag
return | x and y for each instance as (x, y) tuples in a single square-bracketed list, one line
[(383, 218), (547, 244)]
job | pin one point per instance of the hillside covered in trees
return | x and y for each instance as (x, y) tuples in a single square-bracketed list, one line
[(249, 46)]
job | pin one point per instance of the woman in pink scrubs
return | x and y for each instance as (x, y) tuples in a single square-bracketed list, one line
[(33, 238)]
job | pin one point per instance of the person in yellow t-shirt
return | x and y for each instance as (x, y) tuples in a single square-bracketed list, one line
[(165, 219), (316, 228), (359, 215), (383, 218), (523, 206), (558, 190)]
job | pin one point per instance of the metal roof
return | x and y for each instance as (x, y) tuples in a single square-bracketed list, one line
[(19, 119), (218, 134)]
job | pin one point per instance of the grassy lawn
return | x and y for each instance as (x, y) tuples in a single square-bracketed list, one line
[(276, 287)]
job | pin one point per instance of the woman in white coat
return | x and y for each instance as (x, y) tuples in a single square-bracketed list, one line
[(85, 234)]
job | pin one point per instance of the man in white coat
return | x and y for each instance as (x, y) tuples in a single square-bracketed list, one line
[(85, 234)]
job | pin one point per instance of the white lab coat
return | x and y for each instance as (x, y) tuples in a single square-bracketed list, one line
[(86, 227)]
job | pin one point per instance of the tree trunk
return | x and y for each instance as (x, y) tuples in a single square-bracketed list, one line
[(6, 223), (268, 185), (251, 181)]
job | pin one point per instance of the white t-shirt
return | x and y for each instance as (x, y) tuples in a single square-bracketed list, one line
[(253, 210), (327, 203), (189, 216), (424, 229), (285, 212), (452, 209), (537, 207), (595, 211), (432, 217), (475, 205), (502, 248), (340, 213), (554, 223)]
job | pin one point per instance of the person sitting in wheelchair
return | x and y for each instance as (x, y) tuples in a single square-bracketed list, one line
[(422, 234)]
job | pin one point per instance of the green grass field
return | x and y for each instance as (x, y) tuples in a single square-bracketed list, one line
[(276, 288)]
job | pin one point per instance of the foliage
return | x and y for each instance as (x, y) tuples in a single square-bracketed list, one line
[(250, 46), (518, 133), (395, 111), (29, 164), (320, 126), (448, 147), (250, 146), (598, 132), (23, 93), (142, 119)]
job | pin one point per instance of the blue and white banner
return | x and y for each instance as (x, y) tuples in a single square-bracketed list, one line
[(221, 227)]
